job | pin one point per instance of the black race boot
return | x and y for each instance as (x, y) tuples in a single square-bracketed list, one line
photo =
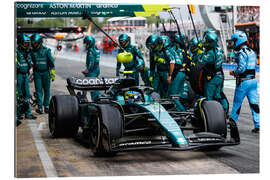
[(39, 111), (256, 130)]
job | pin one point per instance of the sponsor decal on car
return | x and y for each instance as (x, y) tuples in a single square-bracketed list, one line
[(208, 139), (134, 143), (95, 81)]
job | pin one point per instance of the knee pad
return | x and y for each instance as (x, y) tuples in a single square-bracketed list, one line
[(255, 107)]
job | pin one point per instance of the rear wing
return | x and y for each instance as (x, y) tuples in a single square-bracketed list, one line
[(91, 83)]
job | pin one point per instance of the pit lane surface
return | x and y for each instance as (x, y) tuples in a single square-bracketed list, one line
[(72, 158)]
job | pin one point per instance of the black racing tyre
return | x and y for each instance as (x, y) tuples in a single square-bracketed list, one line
[(63, 116), (99, 136), (214, 118)]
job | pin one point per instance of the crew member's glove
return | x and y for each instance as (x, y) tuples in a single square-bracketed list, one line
[(232, 73), (52, 72), (160, 60), (200, 45), (150, 79), (192, 64)]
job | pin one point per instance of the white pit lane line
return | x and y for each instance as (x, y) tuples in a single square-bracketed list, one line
[(41, 126), (43, 154)]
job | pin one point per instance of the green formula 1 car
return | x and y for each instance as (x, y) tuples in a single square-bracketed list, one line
[(129, 118)]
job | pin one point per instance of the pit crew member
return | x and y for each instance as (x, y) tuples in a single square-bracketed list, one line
[(44, 72), (23, 66), (246, 84)]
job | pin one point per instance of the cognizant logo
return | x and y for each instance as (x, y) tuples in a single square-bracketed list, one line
[(29, 5)]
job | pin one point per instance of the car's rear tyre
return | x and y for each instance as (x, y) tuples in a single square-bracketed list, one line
[(63, 116), (214, 119)]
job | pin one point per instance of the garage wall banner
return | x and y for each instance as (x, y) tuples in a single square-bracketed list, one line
[(74, 9)]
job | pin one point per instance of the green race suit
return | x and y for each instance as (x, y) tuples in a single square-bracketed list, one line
[(23, 64), (177, 86), (159, 70), (92, 65), (159, 67), (43, 63), (213, 59)]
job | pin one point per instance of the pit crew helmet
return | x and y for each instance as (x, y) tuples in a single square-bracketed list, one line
[(36, 41), (152, 42), (208, 31), (210, 40), (195, 44), (124, 40), (179, 39), (89, 41), (164, 41), (23, 41), (238, 38), (132, 96)]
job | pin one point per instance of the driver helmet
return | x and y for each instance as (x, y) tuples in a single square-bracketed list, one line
[(124, 40), (36, 41), (23, 41), (132, 96)]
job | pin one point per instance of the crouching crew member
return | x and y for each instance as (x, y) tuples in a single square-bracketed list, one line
[(44, 72), (246, 84)]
